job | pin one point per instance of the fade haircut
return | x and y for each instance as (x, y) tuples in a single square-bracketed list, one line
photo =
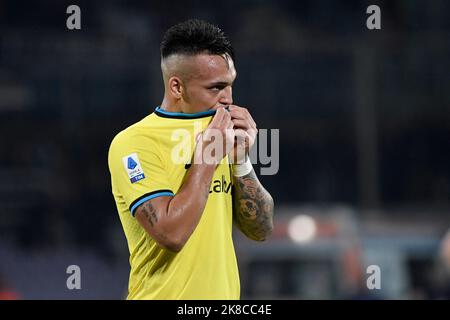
[(193, 37)]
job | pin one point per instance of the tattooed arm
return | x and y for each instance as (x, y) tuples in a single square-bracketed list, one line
[(252, 207), (170, 221)]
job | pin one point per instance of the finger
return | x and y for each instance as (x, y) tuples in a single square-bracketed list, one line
[(226, 120), (237, 112), (252, 133), (249, 136), (218, 117), (250, 118), (240, 133), (230, 125), (241, 124), (241, 113), (198, 137)]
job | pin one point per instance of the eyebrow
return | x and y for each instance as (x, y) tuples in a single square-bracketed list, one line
[(223, 83), (220, 83)]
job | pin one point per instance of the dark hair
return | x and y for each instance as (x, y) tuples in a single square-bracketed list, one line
[(194, 36)]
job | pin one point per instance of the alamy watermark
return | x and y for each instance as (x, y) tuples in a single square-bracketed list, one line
[(374, 280), (74, 20), (74, 280), (373, 22), (265, 148)]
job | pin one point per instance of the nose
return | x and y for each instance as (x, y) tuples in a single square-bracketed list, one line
[(226, 97)]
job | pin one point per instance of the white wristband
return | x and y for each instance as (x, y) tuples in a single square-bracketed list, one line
[(243, 169)]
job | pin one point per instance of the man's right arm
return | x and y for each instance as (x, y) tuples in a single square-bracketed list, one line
[(170, 221)]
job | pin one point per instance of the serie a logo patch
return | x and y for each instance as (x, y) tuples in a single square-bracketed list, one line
[(133, 168)]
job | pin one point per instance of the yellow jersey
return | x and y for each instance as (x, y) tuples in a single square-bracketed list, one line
[(150, 159)]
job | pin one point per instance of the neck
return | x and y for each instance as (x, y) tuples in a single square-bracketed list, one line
[(171, 106)]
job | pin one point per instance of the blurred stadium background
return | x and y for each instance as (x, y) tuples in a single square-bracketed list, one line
[(364, 119)]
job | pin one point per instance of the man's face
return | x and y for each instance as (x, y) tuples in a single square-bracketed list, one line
[(209, 84)]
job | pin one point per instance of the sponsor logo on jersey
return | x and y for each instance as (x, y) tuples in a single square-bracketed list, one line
[(220, 186)]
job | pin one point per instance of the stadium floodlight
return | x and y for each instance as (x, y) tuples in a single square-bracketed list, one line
[(302, 228)]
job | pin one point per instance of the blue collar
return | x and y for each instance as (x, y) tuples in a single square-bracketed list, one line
[(179, 115)]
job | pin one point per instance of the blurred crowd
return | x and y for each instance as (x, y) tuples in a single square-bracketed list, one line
[(363, 116)]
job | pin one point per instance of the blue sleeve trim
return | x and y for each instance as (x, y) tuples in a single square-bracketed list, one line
[(136, 203)]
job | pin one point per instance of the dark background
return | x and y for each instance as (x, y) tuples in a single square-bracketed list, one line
[(364, 119)]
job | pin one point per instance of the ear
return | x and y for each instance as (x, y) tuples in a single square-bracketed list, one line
[(175, 87)]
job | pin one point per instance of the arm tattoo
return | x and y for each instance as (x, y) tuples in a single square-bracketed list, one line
[(149, 212), (252, 207)]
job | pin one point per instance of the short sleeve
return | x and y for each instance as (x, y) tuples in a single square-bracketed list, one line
[(137, 170)]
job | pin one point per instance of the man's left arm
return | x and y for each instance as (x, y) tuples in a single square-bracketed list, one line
[(252, 204), (252, 207)]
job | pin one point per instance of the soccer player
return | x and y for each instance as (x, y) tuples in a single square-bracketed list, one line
[(178, 217)]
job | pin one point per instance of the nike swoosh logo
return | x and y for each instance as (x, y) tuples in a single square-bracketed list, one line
[(187, 165)]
